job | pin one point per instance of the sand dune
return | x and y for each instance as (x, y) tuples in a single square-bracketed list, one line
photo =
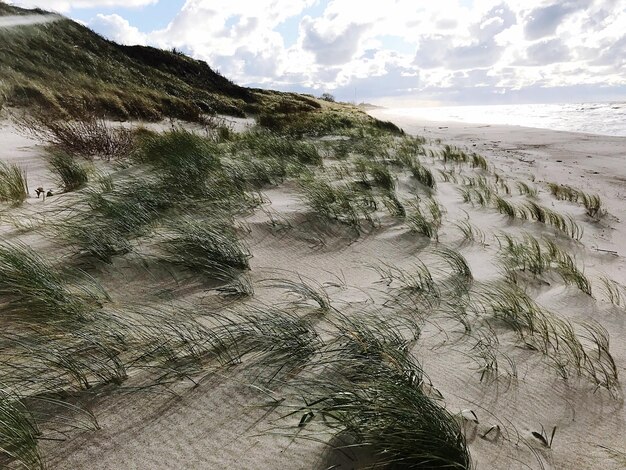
[(221, 421)]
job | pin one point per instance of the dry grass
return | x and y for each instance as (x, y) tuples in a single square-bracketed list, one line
[(88, 136)]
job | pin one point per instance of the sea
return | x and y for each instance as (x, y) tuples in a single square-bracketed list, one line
[(607, 118)]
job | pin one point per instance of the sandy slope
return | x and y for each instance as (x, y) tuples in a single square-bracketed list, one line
[(218, 423), (17, 147)]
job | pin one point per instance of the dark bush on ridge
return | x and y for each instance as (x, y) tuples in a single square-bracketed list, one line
[(388, 126)]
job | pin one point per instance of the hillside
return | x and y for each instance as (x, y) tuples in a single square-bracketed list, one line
[(65, 67)]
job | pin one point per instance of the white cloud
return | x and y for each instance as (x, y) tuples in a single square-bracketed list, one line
[(331, 47), (118, 29), (64, 6)]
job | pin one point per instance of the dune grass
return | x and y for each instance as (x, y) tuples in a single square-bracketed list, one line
[(375, 173), (181, 159), (265, 145), (103, 221), (204, 246), (13, 183), (416, 282), (505, 207), (478, 161), (35, 290), (179, 171), (591, 202), (409, 158), (367, 386), (470, 232), (305, 290), (340, 373), (456, 261), (563, 192), (526, 189), (478, 190), (451, 154), (18, 433), (538, 256), (252, 174), (613, 291), (563, 223), (543, 331), (70, 174), (344, 203), (423, 175), (425, 219)]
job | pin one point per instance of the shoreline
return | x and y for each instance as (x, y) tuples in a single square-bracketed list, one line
[(579, 118), (590, 162), (581, 151)]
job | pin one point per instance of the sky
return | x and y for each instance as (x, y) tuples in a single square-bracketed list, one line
[(388, 52)]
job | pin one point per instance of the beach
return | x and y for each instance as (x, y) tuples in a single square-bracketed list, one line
[(222, 420)]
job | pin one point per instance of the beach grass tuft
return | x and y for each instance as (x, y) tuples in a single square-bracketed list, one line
[(33, 288), (204, 245), (18, 433), (70, 174), (13, 183)]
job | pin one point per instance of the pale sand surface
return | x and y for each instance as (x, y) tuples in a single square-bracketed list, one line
[(218, 424)]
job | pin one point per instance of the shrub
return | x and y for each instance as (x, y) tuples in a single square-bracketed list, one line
[(88, 136)]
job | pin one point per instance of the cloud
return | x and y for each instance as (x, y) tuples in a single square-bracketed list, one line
[(395, 80), (547, 52), (544, 21), (479, 49), (328, 46), (65, 6), (611, 54), (118, 29)]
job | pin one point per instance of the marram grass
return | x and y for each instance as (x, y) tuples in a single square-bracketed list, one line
[(366, 385), (18, 433), (13, 183), (69, 173), (204, 245), (32, 288)]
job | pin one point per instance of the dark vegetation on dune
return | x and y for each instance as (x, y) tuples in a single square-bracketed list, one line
[(65, 68)]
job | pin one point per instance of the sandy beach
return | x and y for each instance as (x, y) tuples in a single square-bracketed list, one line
[(221, 420)]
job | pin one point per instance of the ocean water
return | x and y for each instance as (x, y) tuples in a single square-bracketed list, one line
[(592, 118)]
